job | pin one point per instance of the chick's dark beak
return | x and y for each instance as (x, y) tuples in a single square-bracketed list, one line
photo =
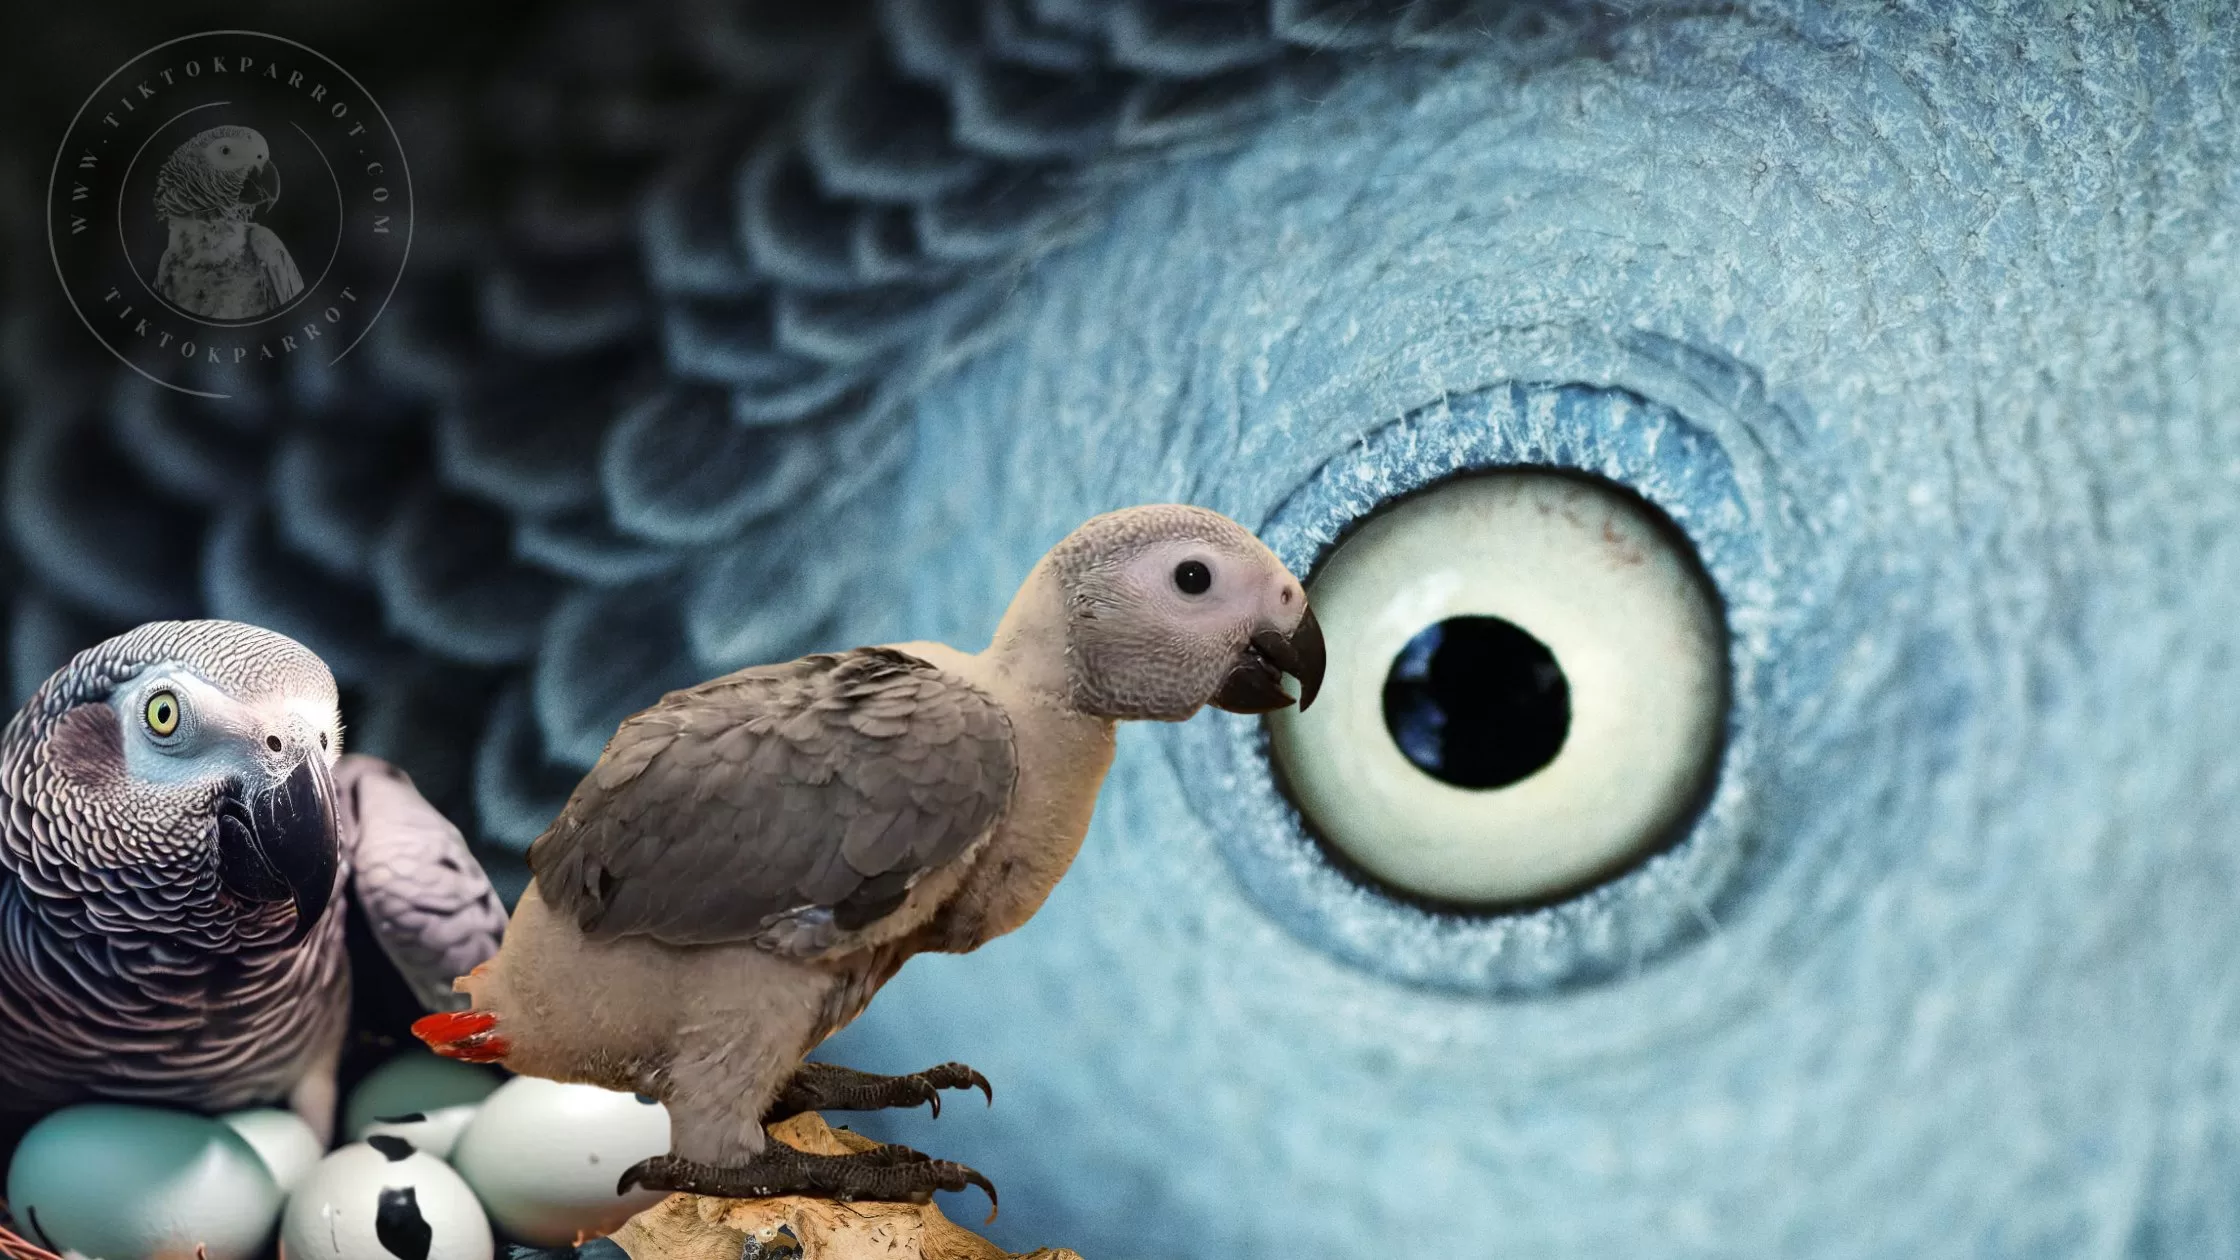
[(283, 844), (1255, 685)]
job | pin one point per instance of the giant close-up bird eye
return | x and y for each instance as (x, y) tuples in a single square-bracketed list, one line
[(1420, 628), (1533, 764), (1527, 690)]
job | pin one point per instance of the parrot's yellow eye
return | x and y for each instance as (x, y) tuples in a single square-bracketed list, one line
[(163, 713)]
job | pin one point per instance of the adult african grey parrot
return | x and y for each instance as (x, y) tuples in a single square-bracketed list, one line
[(753, 857), (179, 823), (217, 263)]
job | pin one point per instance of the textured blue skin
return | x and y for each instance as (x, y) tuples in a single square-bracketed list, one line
[(1964, 317)]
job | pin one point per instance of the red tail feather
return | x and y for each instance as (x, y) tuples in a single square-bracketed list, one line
[(462, 1035)]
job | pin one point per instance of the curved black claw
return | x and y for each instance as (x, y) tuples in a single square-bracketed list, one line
[(954, 1076), (957, 1177), (646, 1174)]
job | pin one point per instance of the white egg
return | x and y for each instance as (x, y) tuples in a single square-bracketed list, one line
[(414, 1083), (382, 1200), (130, 1183), (435, 1132), (544, 1157), (281, 1139)]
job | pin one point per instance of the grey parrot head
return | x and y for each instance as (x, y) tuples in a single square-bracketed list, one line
[(224, 171), (1171, 608), (199, 751)]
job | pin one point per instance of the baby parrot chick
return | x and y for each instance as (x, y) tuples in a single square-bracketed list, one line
[(753, 857)]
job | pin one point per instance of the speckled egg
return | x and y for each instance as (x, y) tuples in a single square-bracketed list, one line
[(130, 1183), (281, 1139), (382, 1200), (544, 1157), (415, 1083)]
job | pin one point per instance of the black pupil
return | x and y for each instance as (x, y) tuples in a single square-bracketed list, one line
[(1193, 578), (163, 711), (1477, 702)]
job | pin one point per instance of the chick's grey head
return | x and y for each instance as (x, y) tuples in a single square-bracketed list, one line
[(194, 756), (1170, 608), (225, 171)]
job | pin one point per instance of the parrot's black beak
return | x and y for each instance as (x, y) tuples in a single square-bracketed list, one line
[(262, 188), (284, 844), (1255, 685)]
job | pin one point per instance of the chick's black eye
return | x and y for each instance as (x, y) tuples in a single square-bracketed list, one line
[(1193, 578)]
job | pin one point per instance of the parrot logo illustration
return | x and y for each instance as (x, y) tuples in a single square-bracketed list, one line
[(218, 264)]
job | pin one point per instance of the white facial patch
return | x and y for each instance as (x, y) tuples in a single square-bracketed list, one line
[(217, 737)]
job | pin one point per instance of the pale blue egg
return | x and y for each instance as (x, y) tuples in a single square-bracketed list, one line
[(415, 1082), (129, 1183), (281, 1139)]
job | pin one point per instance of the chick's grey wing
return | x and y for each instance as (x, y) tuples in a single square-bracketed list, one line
[(424, 896), (789, 805)]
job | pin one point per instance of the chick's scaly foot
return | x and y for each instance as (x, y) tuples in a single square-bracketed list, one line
[(886, 1174), (826, 1087)]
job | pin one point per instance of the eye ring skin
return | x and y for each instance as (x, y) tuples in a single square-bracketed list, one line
[(1660, 903)]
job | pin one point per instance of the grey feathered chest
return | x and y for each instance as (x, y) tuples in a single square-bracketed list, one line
[(124, 984)]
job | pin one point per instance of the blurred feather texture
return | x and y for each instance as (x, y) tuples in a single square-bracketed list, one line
[(675, 267)]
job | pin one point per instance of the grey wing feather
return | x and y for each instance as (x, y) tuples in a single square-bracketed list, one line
[(785, 804), (424, 896)]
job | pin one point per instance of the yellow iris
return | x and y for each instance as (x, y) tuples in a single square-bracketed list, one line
[(163, 713)]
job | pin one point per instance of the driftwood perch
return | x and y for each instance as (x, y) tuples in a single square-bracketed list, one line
[(693, 1227)]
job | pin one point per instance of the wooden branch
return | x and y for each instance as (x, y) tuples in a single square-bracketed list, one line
[(693, 1227)]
